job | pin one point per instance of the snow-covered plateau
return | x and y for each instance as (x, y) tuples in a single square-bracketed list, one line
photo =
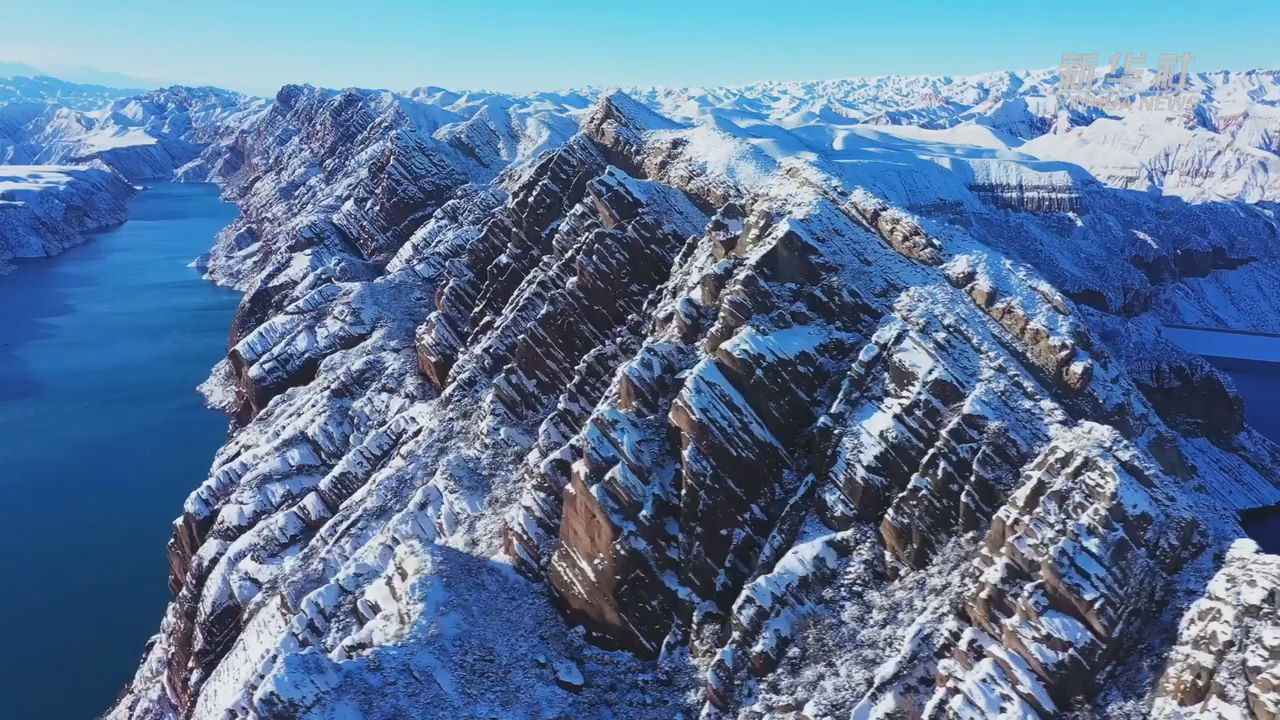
[(842, 399)]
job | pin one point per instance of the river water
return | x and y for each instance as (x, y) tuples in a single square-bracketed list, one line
[(102, 435), (1259, 385), (1253, 361)]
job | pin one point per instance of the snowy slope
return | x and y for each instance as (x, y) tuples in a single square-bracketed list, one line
[(19, 84), (46, 209), (68, 153), (145, 136)]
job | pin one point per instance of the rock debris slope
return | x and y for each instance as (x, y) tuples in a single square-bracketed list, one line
[(724, 404)]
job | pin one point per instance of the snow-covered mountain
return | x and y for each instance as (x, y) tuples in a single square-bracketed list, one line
[(68, 153), (143, 137), (21, 83), (843, 399), (47, 209)]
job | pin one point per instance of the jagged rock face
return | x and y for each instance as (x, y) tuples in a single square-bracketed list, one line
[(648, 420), (1227, 657), (364, 153), (47, 209), (1074, 558)]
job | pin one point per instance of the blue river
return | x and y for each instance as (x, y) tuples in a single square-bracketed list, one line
[(102, 435), (1259, 385)]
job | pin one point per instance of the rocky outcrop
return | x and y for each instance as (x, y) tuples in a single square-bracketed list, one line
[(1071, 564), (293, 249), (1226, 661)]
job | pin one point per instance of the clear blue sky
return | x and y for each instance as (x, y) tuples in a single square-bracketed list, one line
[(474, 44)]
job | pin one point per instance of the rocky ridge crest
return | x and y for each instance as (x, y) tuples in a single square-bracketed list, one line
[(536, 422)]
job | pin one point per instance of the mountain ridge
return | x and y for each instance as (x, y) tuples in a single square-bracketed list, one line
[(726, 406)]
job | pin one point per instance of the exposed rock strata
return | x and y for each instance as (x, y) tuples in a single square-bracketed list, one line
[(1227, 658), (773, 443)]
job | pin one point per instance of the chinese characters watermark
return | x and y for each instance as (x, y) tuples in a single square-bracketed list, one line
[(1125, 85)]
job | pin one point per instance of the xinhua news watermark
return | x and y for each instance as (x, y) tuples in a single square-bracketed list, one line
[(1125, 85)]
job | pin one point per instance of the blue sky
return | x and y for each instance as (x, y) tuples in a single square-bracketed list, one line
[(259, 45)]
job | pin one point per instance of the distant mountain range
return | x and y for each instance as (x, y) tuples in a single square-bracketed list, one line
[(81, 75)]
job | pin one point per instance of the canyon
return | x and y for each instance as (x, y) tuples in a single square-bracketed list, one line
[(837, 399)]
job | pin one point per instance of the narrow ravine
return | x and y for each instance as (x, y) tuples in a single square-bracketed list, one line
[(102, 434)]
